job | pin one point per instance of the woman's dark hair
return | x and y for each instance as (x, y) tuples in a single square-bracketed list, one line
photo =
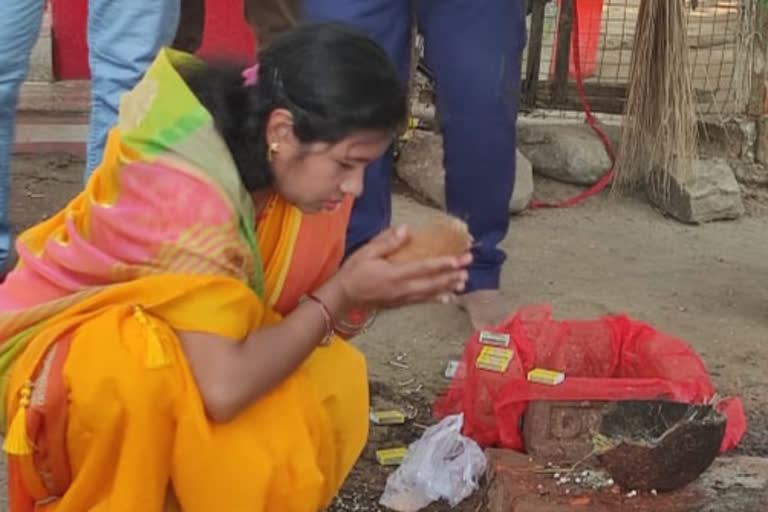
[(333, 79)]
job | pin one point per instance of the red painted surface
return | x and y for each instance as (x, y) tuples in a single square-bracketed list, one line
[(226, 34), (590, 13), (70, 49)]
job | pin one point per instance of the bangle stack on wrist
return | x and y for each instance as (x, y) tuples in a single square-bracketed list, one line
[(355, 323)]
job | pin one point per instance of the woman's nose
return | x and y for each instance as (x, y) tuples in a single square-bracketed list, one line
[(353, 182)]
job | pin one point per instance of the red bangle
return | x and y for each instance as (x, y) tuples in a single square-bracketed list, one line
[(355, 323), (329, 323)]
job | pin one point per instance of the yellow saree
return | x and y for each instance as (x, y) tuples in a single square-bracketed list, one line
[(101, 410)]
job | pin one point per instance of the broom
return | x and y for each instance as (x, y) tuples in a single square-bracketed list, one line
[(658, 139)]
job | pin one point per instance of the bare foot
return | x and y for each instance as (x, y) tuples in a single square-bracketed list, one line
[(486, 308)]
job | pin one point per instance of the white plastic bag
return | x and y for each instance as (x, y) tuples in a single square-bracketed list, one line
[(442, 464)]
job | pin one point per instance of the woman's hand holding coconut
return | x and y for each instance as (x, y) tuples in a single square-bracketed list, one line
[(401, 267)]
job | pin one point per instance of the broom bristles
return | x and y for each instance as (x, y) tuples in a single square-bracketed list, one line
[(658, 139)]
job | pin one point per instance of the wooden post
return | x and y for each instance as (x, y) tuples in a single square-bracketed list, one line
[(413, 62), (757, 108), (564, 32), (535, 41), (758, 97)]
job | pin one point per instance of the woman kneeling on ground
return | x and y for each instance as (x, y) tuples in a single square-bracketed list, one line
[(168, 337)]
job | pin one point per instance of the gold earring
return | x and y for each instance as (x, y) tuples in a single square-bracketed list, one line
[(273, 149)]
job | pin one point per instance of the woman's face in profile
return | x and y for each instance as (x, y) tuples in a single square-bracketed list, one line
[(318, 176)]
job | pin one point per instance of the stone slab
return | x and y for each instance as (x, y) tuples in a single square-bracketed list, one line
[(69, 96), (710, 193), (751, 173), (420, 165), (571, 153), (51, 133), (517, 483)]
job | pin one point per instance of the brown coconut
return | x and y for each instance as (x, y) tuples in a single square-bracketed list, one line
[(656, 444), (445, 236)]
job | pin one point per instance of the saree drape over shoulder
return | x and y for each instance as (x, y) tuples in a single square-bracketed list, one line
[(100, 409)]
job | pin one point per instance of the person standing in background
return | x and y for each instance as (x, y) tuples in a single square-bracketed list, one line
[(474, 50), (268, 18), (123, 38)]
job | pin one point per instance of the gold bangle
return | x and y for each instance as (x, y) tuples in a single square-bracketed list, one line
[(329, 323)]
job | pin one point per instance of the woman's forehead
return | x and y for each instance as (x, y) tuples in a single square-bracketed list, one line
[(362, 144), (356, 146)]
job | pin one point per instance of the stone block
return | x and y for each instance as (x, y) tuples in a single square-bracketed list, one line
[(421, 166), (41, 58), (560, 432), (571, 153), (710, 193), (753, 174)]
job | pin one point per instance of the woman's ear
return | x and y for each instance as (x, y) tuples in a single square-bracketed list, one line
[(280, 128)]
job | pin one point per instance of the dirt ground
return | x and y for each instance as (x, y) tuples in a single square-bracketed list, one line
[(705, 284)]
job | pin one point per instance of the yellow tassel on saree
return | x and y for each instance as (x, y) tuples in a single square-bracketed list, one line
[(102, 411)]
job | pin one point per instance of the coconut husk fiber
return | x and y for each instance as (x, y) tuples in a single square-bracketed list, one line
[(445, 235), (653, 444), (659, 133)]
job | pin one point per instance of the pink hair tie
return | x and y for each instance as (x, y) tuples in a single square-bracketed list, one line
[(251, 75)]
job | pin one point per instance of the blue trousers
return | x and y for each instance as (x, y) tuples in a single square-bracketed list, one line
[(123, 38), (474, 49)]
